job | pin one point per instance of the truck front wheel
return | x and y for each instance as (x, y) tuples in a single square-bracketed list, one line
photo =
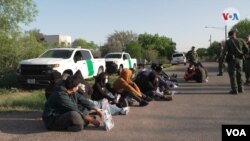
[(65, 75)]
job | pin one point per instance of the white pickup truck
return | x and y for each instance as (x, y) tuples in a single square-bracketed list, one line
[(67, 61), (116, 61)]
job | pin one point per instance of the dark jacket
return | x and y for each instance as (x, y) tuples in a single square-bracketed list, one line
[(146, 82), (88, 88), (101, 89), (61, 102)]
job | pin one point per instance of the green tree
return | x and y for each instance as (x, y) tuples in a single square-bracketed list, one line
[(14, 12), (150, 54), (134, 49), (164, 45), (84, 44), (119, 40), (243, 28), (212, 50), (202, 52), (17, 48)]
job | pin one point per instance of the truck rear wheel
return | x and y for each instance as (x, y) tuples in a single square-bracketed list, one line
[(120, 70), (100, 70)]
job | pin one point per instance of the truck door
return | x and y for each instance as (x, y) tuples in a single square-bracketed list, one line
[(127, 61), (89, 70), (80, 63)]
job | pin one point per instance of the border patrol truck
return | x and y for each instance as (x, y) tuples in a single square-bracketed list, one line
[(67, 61), (116, 61)]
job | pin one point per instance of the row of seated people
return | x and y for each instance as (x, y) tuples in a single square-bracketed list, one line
[(70, 101)]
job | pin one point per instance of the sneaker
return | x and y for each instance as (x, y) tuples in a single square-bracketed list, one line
[(125, 111), (247, 83), (167, 93), (143, 103), (168, 98), (148, 99), (233, 92), (220, 74)]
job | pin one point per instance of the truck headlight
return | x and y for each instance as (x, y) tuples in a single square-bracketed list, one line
[(54, 66)]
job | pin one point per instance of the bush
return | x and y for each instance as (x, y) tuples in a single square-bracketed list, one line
[(9, 80)]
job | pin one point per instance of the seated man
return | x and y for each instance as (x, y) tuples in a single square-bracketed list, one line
[(149, 85), (198, 73), (61, 110)]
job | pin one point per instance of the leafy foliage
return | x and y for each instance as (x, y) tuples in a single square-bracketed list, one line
[(14, 12), (165, 46), (213, 50), (150, 54), (202, 52), (119, 40), (84, 44), (134, 49), (243, 28)]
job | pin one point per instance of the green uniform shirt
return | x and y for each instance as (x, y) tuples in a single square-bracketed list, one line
[(236, 47), (192, 56)]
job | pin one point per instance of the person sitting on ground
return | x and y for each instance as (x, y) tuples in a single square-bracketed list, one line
[(56, 80), (102, 89), (198, 73), (149, 85), (61, 111), (86, 88), (126, 87)]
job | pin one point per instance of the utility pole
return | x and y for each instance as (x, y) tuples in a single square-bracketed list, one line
[(210, 40)]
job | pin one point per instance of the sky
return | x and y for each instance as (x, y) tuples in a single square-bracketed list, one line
[(94, 20)]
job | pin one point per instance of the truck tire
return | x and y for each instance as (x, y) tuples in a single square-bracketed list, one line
[(134, 67), (100, 70), (65, 75), (120, 69)]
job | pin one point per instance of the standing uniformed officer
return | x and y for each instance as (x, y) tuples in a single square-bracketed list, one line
[(192, 57), (234, 51), (247, 62), (220, 61)]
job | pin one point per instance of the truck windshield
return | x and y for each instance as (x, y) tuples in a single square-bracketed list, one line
[(113, 56), (65, 54)]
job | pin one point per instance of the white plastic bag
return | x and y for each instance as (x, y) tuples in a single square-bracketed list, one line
[(107, 117)]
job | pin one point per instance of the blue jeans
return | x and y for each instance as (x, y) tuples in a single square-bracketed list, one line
[(113, 108)]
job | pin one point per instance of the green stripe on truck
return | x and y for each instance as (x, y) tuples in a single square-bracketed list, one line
[(90, 67), (129, 63)]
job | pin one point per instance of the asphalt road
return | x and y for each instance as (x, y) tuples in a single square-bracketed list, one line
[(196, 113)]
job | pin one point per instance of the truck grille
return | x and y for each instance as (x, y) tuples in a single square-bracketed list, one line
[(34, 69)]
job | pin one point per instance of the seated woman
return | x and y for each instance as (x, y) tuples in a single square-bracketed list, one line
[(102, 89), (126, 87)]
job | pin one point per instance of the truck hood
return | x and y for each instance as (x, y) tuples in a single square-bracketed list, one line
[(42, 61)]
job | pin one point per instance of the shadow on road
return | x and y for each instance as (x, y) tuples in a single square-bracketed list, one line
[(21, 123)]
